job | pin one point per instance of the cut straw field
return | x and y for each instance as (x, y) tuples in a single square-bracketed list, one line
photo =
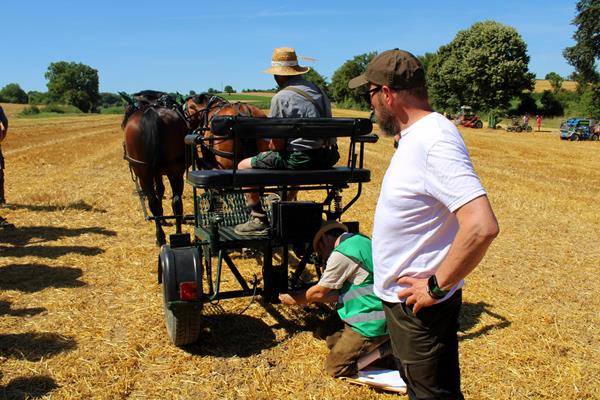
[(81, 312)]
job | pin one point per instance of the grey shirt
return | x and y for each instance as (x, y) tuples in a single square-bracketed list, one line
[(289, 104), (341, 268)]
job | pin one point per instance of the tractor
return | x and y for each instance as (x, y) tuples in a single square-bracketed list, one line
[(468, 118), (518, 125), (576, 129)]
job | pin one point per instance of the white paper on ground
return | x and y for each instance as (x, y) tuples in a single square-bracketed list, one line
[(384, 378)]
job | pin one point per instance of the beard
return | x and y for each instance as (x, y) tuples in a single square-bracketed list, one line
[(387, 122)]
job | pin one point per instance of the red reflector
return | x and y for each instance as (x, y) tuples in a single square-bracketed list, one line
[(187, 291)]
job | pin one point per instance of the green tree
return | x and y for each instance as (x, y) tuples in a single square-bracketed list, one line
[(555, 80), (73, 83), (110, 99), (12, 93), (484, 66), (551, 106), (340, 92), (426, 60), (36, 97), (318, 79), (586, 51), (212, 91), (228, 89)]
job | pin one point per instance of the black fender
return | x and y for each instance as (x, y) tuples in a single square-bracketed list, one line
[(176, 265)]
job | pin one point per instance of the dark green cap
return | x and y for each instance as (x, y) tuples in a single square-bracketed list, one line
[(395, 68)]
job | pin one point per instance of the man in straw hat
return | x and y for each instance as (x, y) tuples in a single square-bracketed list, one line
[(347, 280), (433, 224), (296, 98)]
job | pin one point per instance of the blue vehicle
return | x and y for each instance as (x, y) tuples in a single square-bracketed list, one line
[(578, 129)]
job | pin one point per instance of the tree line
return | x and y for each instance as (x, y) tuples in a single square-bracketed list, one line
[(484, 66)]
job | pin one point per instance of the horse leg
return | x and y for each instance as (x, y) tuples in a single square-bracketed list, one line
[(176, 181), (159, 187), (155, 205)]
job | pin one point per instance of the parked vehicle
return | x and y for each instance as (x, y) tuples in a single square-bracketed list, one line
[(468, 118), (575, 129), (517, 125)]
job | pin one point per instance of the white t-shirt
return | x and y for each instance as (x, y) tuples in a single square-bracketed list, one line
[(429, 177)]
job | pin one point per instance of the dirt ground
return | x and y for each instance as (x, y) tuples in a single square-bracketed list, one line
[(81, 311)]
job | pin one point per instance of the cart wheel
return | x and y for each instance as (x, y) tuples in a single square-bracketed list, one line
[(182, 318), (478, 125), (574, 137), (519, 129), (183, 326), (594, 137)]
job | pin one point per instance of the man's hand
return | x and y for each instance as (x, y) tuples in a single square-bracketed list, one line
[(416, 293), (287, 299)]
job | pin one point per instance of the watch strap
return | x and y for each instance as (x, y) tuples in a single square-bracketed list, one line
[(434, 289)]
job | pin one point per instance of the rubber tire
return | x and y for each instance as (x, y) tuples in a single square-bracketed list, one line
[(519, 129), (574, 138), (183, 326), (594, 137), (478, 125)]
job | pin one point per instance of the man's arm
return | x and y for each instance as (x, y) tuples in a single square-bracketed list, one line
[(315, 294), (477, 229)]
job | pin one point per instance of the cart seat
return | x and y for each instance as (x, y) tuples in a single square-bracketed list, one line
[(225, 178)]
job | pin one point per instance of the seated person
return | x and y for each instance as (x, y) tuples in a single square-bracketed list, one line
[(347, 280), (296, 98)]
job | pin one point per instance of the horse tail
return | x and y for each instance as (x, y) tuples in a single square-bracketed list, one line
[(151, 125)]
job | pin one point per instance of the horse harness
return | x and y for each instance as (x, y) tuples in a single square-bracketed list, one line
[(142, 104), (218, 103)]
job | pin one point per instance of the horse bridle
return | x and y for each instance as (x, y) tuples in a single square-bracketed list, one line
[(215, 102)]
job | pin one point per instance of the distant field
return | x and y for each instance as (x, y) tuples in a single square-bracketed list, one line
[(12, 109), (543, 84), (261, 100)]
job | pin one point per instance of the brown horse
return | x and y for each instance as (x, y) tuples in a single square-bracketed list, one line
[(218, 153), (154, 146)]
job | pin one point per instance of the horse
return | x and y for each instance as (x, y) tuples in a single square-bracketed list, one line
[(154, 129), (217, 153)]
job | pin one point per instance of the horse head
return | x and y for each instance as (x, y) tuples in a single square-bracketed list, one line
[(198, 108)]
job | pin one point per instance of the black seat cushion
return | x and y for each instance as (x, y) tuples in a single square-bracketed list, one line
[(224, 178)]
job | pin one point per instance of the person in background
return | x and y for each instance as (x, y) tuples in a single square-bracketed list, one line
[(3, 130), (538, 120), (296, 98), (433, 224), (347, 281)]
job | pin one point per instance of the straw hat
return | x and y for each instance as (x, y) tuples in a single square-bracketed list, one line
[(285, 62), (326, 226)]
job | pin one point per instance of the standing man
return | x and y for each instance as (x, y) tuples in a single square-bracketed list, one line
[(433, 224), (538, 121), (296, 98), (347, 280)]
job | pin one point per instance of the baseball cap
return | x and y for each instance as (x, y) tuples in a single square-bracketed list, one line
[(395, 68)]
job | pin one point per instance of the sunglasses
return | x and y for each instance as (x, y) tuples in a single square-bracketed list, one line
[(369, 93)]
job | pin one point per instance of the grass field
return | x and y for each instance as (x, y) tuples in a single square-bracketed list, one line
[(543, 84), (81, 312)]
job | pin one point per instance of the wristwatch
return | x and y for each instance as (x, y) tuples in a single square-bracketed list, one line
[(434, 290)]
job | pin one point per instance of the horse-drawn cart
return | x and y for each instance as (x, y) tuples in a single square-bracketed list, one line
[(191, 268)]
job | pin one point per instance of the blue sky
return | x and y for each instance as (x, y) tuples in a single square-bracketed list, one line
[(183, 45)]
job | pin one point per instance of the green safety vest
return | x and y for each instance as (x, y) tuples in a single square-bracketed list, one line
[(358, 306)]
